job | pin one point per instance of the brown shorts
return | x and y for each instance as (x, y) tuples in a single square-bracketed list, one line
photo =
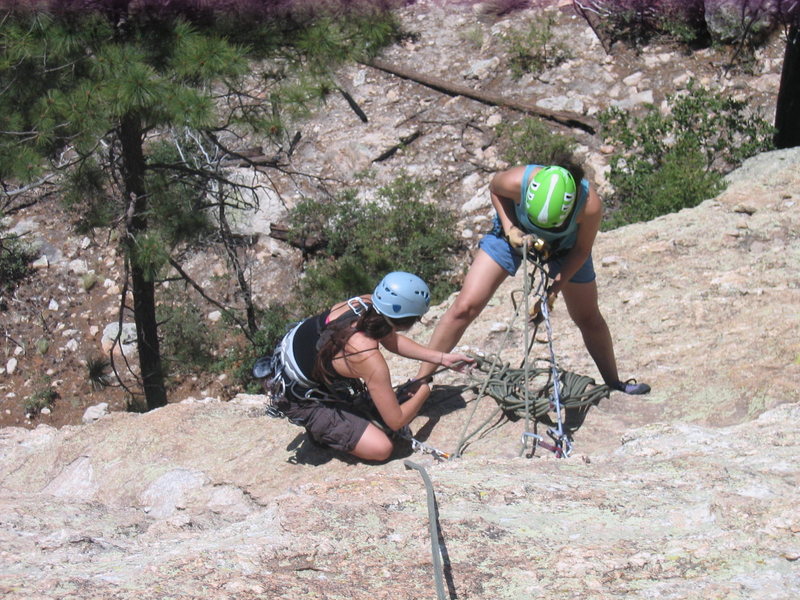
[(330, 424)]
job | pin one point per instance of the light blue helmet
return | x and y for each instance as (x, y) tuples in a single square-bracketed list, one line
[(401, 294)]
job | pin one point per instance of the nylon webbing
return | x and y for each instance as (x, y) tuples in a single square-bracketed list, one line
[(433, 526)]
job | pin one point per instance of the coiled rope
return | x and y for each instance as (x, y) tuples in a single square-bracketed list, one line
[(538, 387), (527, 393), (508, 387)]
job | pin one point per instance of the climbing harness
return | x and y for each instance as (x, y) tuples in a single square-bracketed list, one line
[(277, 380)]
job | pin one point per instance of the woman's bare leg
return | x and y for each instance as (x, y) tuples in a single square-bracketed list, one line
[(581, 301), (482, 280), (373, 445)]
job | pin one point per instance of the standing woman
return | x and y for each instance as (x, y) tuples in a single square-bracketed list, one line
[(558, 205), (331, 361)]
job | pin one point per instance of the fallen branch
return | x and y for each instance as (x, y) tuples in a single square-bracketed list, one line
[(261, 160), (353, 104), (568, 119), (309, 244), (404, 141)]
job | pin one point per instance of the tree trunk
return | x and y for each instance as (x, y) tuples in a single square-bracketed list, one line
[(144, 300), (787, 111)]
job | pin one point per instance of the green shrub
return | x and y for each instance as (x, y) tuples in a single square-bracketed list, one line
[(741, 26), (274, 322), (473, 36), (681, 181), (682, 29), (362, 241), (536, 48), (638, 22), (42, 398), (188, 343), (89, 280), (666, 162), (529, 141), (15, 260), (42, 346)]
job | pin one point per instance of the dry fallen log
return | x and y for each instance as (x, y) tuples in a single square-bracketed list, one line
[(261, 160), (568, 119), (309, 244), (255, 157)]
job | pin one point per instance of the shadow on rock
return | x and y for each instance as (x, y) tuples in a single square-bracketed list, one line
[(444, 399), (308, 452)]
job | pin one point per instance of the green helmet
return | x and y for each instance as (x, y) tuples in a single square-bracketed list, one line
[(550, 197)]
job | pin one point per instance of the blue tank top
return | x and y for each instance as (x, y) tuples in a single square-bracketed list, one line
[(563, 237)]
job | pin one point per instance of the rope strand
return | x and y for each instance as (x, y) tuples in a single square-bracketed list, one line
[(532, 392)]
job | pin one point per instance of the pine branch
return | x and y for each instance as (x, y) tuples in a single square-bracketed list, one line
[(205, 296)]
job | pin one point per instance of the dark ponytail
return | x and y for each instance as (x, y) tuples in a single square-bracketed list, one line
[(575, 169)]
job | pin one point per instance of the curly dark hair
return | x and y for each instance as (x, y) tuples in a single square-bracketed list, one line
[(575, 169)]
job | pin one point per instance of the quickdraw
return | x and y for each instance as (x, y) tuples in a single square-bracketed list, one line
[(561, 446), (421, 447)]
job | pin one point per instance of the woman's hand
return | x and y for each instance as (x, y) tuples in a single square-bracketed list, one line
[(516, 237), (411, 388), (456, 361)]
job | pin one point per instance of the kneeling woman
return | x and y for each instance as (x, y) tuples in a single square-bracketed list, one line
[(327, 363)]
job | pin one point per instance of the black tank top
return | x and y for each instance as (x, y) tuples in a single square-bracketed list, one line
[(305, 352), (305, 342)]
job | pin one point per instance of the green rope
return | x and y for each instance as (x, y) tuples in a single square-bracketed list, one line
[(515, 400), (527, 392), (508, 385)]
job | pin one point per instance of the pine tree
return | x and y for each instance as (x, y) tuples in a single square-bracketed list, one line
[(136, 105)]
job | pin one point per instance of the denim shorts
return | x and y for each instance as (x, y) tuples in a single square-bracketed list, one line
[(504, 254)]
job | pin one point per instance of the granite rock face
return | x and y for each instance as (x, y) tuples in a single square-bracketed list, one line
[(690, 492)]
